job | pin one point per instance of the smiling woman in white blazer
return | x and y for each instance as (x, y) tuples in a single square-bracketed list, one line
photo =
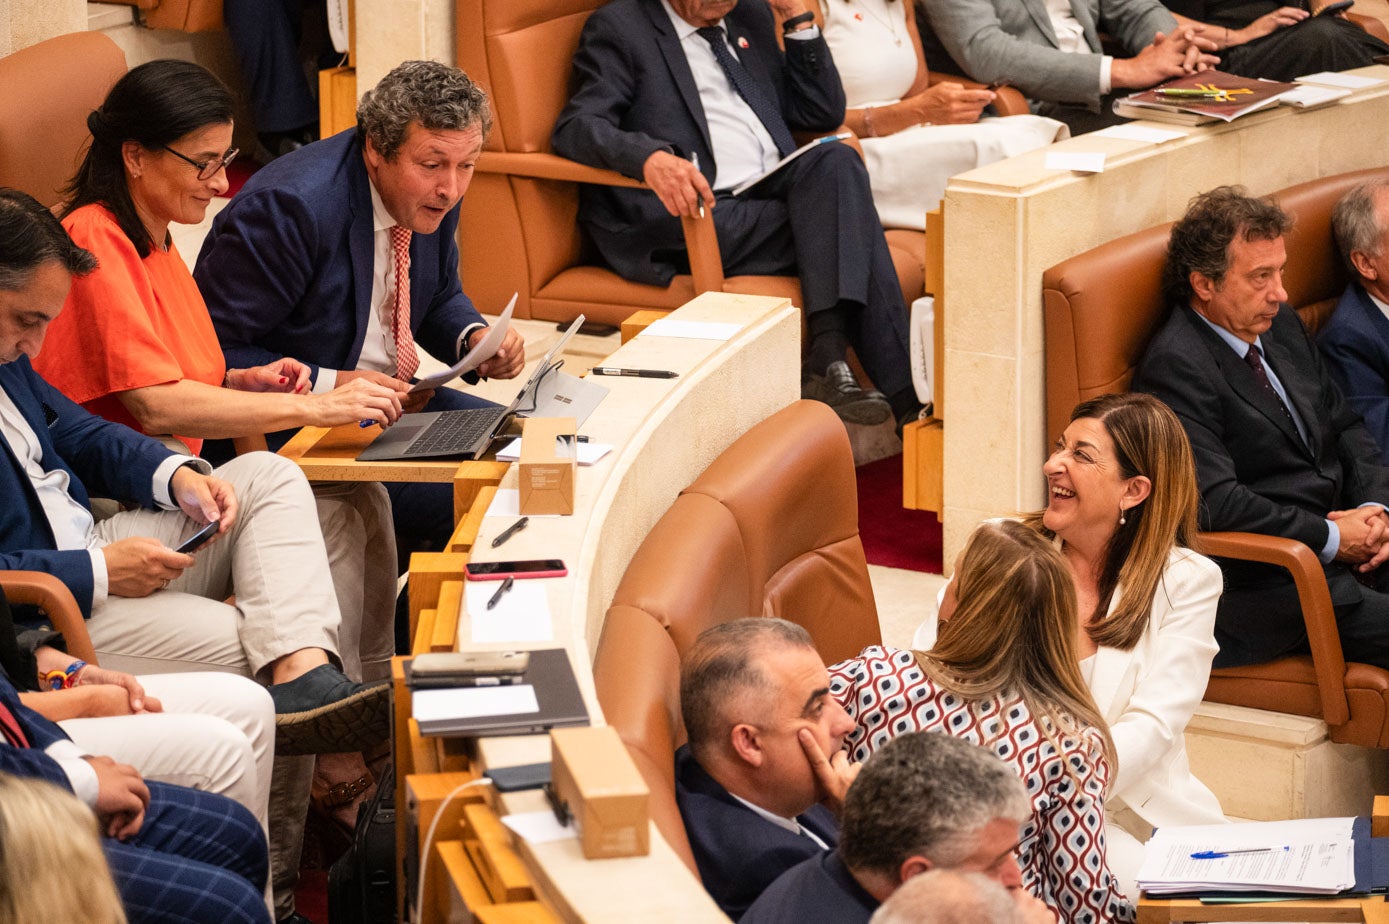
[(1121, 503)]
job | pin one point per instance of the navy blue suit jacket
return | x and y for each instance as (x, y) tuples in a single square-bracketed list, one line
[(818, 889), (1356, 345), (109, 459), (634, 95), (30, 761), (739, 853), (286, 269)]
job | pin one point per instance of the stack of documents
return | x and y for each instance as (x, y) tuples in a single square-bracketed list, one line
[(1313, 856)]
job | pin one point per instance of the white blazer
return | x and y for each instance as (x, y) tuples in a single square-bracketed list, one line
[(1148, 695)]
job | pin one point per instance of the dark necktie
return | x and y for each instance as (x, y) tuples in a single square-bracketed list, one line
[(9, 727), (1256, 362), (750, 90)]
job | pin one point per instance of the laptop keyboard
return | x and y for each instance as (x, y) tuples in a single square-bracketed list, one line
[(454, 431)]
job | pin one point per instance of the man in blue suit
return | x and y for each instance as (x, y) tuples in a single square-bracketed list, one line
[(343, 255), (1356, 339), (178, 856), (755, 698), (695, 97)]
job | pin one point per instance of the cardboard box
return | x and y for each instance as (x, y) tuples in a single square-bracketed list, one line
[(548, 464), (593, 774)]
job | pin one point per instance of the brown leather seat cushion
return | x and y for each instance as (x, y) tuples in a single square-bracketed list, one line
[(1290, 685)]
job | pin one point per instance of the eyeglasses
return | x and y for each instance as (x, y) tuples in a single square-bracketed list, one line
[(207, 169)]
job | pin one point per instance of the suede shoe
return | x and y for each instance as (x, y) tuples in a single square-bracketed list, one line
[(323, 712), (841, 391)]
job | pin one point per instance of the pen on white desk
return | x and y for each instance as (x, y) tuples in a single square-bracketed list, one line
[(501, 592), (634, 373), (510, 531), (1221, 854), (694, 159)]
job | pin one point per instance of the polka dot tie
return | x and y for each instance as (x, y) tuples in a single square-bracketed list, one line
[(407, 360)]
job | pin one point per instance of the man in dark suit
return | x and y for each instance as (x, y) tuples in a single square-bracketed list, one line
[(1356, 339), (695, 97), (760, 719), (924, 801), (1278, 450), (178, 856), (343, 255)]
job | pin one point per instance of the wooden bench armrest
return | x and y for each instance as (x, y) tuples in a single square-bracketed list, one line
[(37, 588), (1328, 660)]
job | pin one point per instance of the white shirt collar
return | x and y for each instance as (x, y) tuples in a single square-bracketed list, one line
[(683, 29), (381, 219)]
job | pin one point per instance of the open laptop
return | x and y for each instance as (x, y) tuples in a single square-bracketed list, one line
[(465, 433)]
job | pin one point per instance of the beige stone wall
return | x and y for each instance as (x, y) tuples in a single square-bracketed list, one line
[(27, 22), (391, 31)]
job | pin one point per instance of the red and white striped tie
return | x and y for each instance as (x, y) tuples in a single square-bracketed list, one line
[(407, 360)]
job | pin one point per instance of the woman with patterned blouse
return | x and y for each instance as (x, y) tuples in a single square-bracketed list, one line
[(1003, 674)]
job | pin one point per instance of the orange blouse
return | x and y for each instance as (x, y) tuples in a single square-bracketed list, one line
[(130, 324)]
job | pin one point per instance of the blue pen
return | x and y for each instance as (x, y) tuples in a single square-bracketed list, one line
[(1221, 854), (365, 423)]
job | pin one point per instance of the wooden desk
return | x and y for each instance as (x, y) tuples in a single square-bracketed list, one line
[(665, 432), (330, 454), (1366, 910)]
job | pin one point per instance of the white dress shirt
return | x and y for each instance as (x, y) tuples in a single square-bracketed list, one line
[(1070, 37)]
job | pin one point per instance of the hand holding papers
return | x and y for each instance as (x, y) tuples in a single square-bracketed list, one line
[(486, 348)]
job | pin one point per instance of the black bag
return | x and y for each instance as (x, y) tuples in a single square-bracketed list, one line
[(361, 884)]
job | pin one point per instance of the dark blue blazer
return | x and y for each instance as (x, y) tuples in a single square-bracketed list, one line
[(818, 889), (30, 761), (286, 269), (739, 853), (108, 459), (633, 94), (1356, 345)]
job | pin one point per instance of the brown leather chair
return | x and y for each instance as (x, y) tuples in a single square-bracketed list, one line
[(519, 227), (49, 90), (52, 596), (1100, 308), (769, 529)]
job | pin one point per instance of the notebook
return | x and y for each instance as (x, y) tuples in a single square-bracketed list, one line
[(465, 433), (547, 697)]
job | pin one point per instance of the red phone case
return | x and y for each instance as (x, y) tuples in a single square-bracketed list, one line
[(518, 575)]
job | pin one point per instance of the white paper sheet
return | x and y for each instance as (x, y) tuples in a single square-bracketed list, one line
[(486, 348), (521, 615), (693, 330), (1310, 95), (1314, 855), (432, 706), (1079, 161), (1131, 132), (587, 455), (1333, 79), (538, 827), (507, 503)]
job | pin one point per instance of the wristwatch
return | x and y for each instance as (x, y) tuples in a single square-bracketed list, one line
[(795, 21)]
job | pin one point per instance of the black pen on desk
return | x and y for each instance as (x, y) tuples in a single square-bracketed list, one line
[(501, 591), (634, 373), (510, 531)]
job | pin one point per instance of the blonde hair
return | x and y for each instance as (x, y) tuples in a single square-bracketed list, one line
[(51, 864), (1013, 633), (1148, 440)]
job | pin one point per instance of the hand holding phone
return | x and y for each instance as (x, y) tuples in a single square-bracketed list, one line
[(501, 570), (200, 538)]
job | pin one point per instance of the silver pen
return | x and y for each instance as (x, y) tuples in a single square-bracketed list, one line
[(694, 159)]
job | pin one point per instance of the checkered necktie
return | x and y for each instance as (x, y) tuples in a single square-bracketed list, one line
[(407, 360), (765, 109)]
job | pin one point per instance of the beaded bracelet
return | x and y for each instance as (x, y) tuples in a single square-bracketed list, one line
[(64, 679)]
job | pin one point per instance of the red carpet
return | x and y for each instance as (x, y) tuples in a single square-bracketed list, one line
[(238, 173), (892, 535)]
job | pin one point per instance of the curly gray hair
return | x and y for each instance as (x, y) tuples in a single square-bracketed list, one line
[(435, 95), (1355, 221)]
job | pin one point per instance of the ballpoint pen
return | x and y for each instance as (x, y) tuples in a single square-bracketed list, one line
[(694, 159), (1221, 854), (501, 591), (1184, 93), (634, 373), (510, 531)]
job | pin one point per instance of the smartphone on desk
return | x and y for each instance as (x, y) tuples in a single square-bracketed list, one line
[(501, 570), (200, 538), (466, 669)]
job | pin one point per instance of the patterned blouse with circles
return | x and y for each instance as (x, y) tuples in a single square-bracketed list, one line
[(1062, 848)]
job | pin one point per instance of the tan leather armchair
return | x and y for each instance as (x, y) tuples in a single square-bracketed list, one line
[(769, 529), (49, 90), (519, 230), (1100, 308), (51, 595)]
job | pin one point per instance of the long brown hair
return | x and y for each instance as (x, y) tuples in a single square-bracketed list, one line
[(1013, 632), (1148, 440)]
